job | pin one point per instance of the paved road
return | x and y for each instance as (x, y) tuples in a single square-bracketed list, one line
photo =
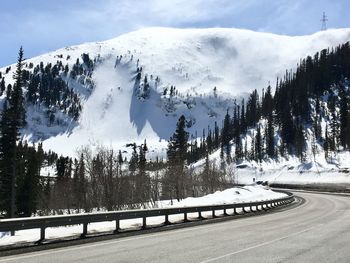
[(316, 231)]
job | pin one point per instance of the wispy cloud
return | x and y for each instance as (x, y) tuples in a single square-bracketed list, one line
[(43, 25)]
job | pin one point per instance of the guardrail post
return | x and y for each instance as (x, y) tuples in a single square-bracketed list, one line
[(213, 214), (42, 234), (144, 222), (235, 211), (117, 226), (257, 208), (85, 226), (244, 211), (225, 212), (185, 217), (200, 215), (166, 222)]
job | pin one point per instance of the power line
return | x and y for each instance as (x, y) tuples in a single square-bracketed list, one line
[(324, 22)]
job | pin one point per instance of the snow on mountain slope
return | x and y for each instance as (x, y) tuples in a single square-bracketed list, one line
[(194, 60), (234, 60)]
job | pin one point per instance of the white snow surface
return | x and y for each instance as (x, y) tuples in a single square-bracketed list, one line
[(232, 195), (236, 61), (247, 193), (314, 170)]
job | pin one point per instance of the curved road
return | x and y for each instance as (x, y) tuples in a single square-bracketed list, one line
[(316, 231)]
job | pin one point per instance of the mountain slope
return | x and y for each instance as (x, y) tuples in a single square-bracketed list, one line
[(123, 107)]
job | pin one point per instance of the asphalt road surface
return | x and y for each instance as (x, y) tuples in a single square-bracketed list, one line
[(316, 231)]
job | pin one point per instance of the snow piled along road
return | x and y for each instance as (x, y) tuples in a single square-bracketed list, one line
[(232, 195)]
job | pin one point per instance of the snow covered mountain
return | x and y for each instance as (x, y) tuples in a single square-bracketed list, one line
[(128, 94)]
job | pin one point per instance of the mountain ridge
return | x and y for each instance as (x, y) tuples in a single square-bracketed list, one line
[(235, 61)]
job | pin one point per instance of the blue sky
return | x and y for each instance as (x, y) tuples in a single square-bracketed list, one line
[(45, 25)]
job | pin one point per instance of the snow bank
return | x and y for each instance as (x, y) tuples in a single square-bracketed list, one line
[(232, 195)]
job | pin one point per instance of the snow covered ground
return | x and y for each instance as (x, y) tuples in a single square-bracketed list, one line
[(296, 177), (232, 195), (313, 171)]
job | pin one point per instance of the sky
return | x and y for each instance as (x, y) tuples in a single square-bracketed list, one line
[(41, 26)]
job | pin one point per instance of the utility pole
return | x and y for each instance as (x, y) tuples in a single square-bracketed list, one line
[(324, 22)]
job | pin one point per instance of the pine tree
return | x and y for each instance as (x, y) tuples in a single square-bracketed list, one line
[(216, 135), (343, 118), (300, 142), (326, 143), (28, 181), (142, 180), (206, 175), (13, 118), (134, 159), (258, 145), (287, 128), (2, 86), (270, 137), (82, 184), (226, 135), (177, 151)]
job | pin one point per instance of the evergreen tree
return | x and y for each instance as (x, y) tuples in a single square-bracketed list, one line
[(2, 86), (144, 178), (216, 136), (253, 109), (28, 181), (343, 118), (177, 151), (326, 144), (270, 137), (300, 142), (13, 118), (134, 159), (226, 135), (258, 145), (287, 128)]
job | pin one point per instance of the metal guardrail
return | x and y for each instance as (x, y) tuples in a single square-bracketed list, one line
[(15, 224)]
